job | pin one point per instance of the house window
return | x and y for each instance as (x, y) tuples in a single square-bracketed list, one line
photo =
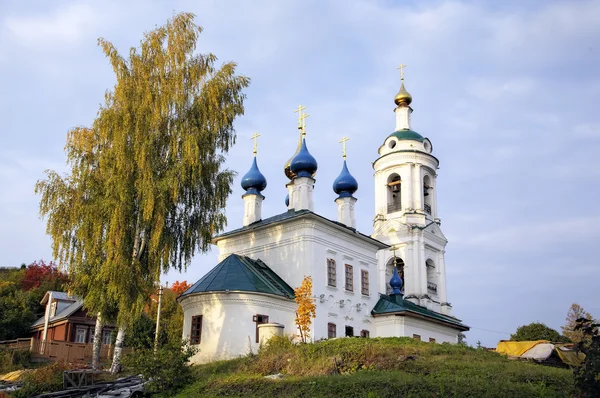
[(364, 282), (106, 337), (331, 333), (417, 337), (258, 319), (364, 333), (196, 332), (331, 274), (53, 309), (349, 278), (431, 340), (80, 334), (349, 331)]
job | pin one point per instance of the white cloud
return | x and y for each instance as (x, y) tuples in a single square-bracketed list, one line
[(63, 26)]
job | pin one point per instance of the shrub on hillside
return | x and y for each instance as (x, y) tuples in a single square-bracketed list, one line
[(13, 360), (166, 370), (42, 380)]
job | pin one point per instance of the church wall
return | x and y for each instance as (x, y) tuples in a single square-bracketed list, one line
[(228, 329), (389, 326), (428, 330), (301, 247), (335, 304), (284, 248)]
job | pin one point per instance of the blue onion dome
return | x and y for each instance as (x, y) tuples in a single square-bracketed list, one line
[(396, 282), (254, 182), (304, 164), (287, 200), (345, 185)]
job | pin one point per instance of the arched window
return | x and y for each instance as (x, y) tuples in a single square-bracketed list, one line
[(389, 270), (431, 277), (427, 195), (394, 189)]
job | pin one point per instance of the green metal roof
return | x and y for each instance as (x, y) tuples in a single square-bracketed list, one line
[(407, 134), (240, 273), (396, 305)]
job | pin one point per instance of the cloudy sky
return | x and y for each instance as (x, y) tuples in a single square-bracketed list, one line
[(508, 92)]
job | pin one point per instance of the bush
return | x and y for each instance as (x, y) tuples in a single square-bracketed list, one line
[(538, 331), (166, 370), (13, 360), (587, 376), (45, 379)]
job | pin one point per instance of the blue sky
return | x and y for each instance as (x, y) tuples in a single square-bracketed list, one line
[(508, 92)]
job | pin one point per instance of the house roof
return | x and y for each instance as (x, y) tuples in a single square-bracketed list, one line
[(396, 305), (63, 314), (57, 296), (240, 273), (292, 214)]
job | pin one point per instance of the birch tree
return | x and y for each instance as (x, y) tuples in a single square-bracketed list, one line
[(146, 188)]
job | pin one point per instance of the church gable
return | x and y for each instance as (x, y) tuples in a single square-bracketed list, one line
[(240, 273)]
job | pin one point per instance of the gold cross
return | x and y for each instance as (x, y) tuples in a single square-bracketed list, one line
[(394, 250), (401, 69), (300, 112), (254, 137), (343, 142), (301, 119)]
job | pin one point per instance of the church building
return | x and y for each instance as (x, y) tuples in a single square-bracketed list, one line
[(391, 282)]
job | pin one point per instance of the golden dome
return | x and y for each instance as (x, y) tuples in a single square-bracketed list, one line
[(403, 97), (286, 169)]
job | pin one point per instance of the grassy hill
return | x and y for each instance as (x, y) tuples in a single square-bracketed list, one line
[(379, 367)]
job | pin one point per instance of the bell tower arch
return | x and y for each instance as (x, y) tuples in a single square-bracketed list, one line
[(406, 215)]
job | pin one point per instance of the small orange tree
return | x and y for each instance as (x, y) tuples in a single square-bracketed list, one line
[(180, 287), (306, 308)]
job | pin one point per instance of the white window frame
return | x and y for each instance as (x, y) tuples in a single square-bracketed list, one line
[(80, 337), (106, 336), (53, 307)]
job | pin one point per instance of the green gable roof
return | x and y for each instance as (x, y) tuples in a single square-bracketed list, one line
[(240, 273), (396, 305), (407, 135)]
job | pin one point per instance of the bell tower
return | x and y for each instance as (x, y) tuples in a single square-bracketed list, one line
[(406, 215)]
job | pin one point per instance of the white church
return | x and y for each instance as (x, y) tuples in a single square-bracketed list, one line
[(391, 282)]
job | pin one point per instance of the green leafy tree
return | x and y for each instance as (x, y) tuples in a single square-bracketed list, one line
[(21, 290), (146, 188), (569, 328), (587, 376), (537, 331)]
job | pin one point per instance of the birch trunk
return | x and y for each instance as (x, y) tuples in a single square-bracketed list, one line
[(97, 342), (116, 363)]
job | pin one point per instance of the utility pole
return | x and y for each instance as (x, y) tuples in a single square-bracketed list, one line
[(160, 293)]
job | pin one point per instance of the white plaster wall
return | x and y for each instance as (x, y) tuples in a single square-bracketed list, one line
[(301, 247), (427, 330), (404, 326), (389, 326), (228, 329)]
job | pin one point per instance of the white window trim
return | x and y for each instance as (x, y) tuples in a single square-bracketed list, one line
[(77, 334)]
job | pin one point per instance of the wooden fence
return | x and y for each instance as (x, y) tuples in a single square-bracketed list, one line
[(60, 350)]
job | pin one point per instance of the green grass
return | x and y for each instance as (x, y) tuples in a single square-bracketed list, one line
[(389, 367)]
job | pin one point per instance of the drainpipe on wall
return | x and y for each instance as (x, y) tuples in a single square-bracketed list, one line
[(46, 321)]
